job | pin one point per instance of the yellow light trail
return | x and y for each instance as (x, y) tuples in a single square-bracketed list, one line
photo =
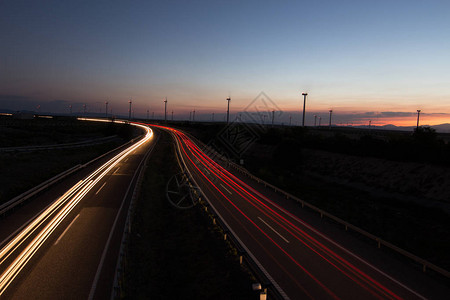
[(60, 209)]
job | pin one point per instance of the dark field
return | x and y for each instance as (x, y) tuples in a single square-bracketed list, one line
[(395, 185), (21, 171), (174, 254), (39, 131)]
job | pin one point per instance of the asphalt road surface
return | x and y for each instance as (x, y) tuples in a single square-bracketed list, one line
[(304, 257), (65, 243)]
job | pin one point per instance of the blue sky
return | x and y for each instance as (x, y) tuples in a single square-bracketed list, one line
[(350, 56)]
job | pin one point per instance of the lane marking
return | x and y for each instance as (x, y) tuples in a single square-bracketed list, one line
[(274, 230), (64, 232), (65, 205), (116, 170), (126, 159), (260, 266), (28, 222), (335, 243), (226, 189), (100, 188)]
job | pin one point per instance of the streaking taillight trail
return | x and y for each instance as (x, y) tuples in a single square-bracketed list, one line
[(333, 258), (289, 223)]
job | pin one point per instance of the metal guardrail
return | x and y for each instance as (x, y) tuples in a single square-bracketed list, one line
[(30, 193), (11, 204), (59, 146), (120, 265), (380, 242), (252, 263)]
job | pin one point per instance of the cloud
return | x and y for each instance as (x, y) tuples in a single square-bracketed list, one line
[(396, 114), (360, 118), (204, 112)]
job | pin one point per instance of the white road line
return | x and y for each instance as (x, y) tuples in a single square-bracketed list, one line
[(337, 245), (100, 188), (24, 225), (274, 230), (54, 215), (62, 234), (226, 189), (126, 159), (116, 170)]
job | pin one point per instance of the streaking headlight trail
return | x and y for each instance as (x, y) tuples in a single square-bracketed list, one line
[(20, 249)]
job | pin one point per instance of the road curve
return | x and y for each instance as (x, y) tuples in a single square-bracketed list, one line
[(302, 262), (69, 249)]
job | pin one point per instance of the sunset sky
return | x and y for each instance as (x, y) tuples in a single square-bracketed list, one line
[(377, 60)]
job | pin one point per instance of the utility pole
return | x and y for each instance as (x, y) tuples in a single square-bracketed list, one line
[(331, 112), (304, 104), (315, 120), (129, 111), (193, 115), (290, 120), (147, 114), (273, 117), (106, 111), (370, 123), (320, 119), (418, 115), (228, 110), (190, 116), (172, 115), (165, 110)]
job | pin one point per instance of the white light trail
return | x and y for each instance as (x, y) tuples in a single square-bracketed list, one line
[(58, 210)]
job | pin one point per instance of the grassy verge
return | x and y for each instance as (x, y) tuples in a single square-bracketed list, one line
[(15, 133), (178, 254), (420, 230), (22, 171), (277, 158)]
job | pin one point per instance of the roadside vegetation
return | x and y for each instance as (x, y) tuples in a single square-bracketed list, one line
[(58, 130), (382, 182), (174, 253), (21, 171)]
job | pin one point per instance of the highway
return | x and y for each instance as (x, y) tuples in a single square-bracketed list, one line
[(301, 260), (65, 243)]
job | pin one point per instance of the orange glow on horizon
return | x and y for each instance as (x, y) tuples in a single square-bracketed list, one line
[(424, 120)]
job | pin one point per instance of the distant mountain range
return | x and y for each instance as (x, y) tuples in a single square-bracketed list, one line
[(439, 128), (445, 128)]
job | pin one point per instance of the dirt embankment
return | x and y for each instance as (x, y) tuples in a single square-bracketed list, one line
[(424, 183)]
